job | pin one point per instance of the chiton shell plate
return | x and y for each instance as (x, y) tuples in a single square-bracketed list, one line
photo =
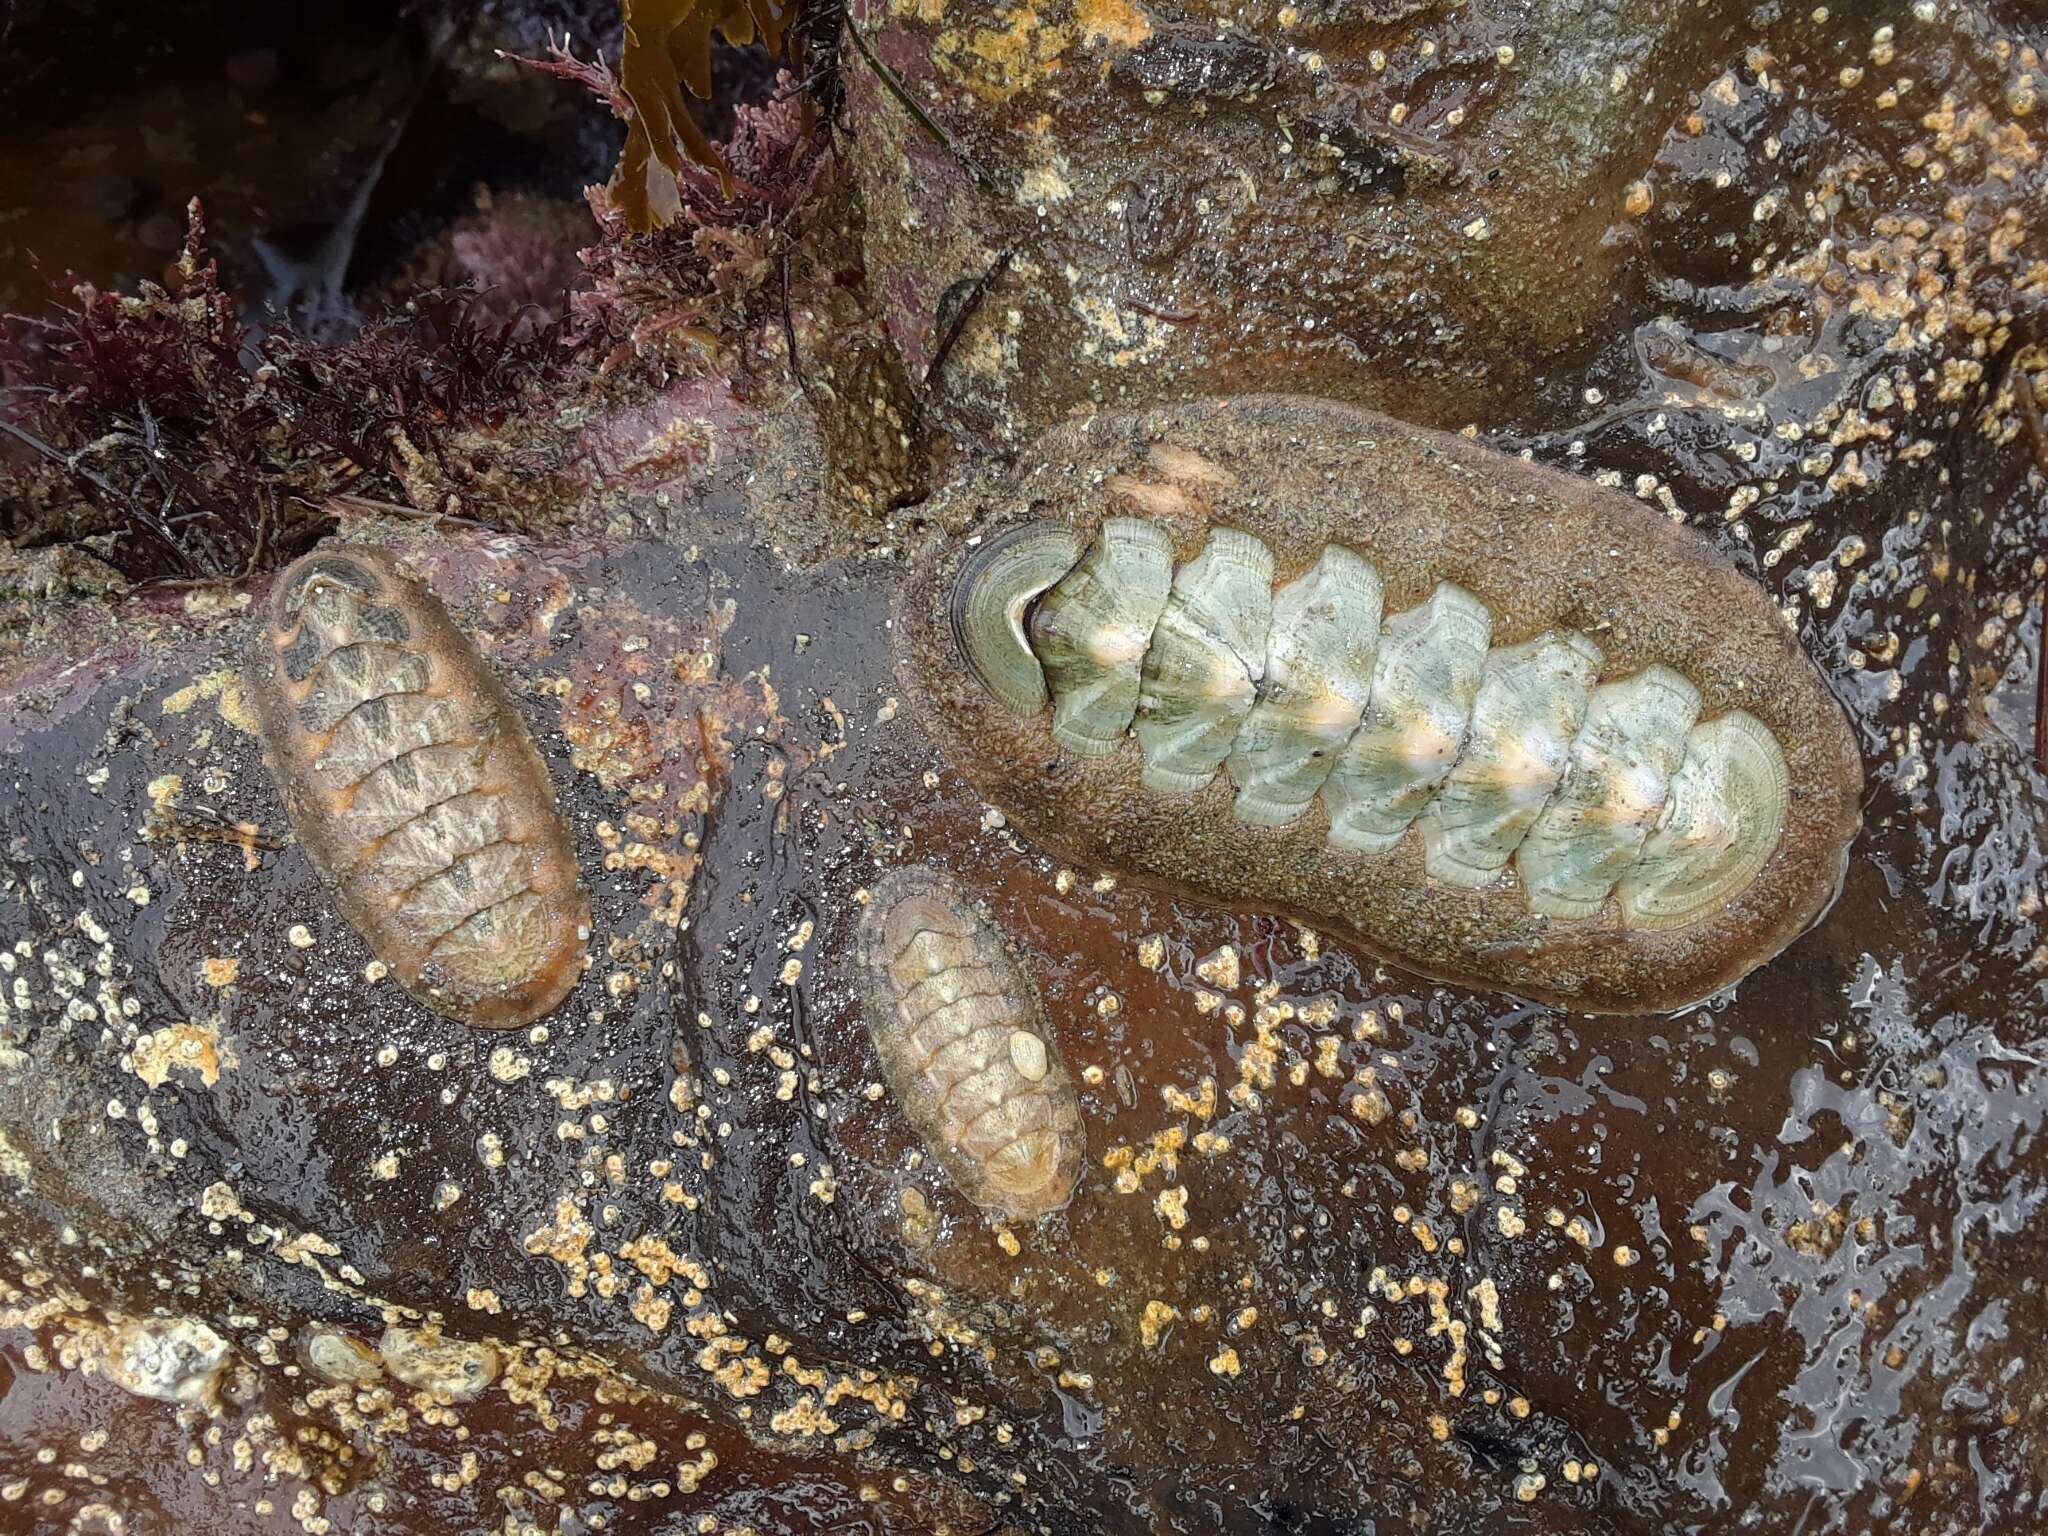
[(1092, 629), (1644, 899), (1318, 676), (961, 1033), (416, 791)]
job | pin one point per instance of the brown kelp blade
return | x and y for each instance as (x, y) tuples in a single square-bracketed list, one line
[(668, 51)]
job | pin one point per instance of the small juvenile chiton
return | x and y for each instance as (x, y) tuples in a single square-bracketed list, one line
[(961, 1033), (416, 791), (1498, 725)]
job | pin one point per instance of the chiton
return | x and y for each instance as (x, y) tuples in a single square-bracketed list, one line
[(1497, 725), (961, 1033), (416, 791)]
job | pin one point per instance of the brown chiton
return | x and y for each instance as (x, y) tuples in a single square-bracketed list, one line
[(416, 791), (1497, 725), (961, 1033)]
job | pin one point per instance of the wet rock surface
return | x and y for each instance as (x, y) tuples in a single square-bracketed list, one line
[(1452, 212), (1347, 1246), (1351, 1252)]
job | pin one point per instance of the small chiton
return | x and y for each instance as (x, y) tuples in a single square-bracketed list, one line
[(1498, 725), (961, 1033), (416, 790)]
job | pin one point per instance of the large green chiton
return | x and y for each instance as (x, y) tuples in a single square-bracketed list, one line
[(1495, 724)]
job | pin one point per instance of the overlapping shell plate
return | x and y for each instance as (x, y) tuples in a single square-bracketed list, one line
[(1565, 775), (1501, 725), (416, 791), (963, 1042)]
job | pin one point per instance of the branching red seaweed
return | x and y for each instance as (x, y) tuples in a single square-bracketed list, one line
[(163, 433), (180, 444), (676, 289), (594, 75)]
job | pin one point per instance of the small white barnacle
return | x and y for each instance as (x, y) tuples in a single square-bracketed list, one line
[(1027, 1055)]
